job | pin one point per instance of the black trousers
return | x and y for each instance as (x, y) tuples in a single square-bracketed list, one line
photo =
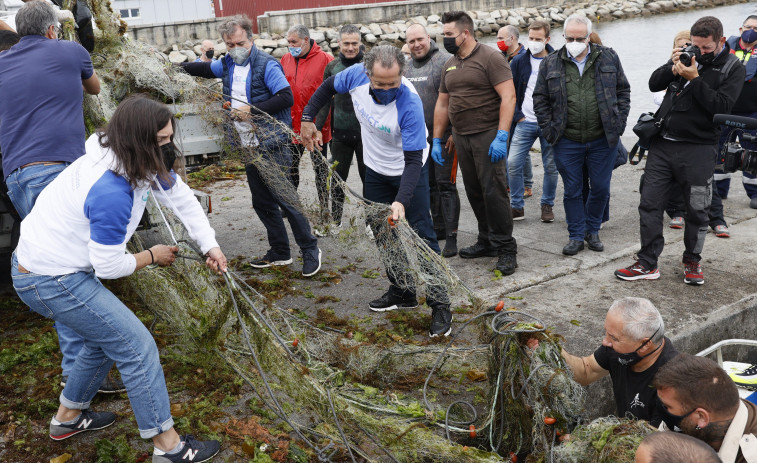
[(691, 167), (342, 151), (445, 202), (321, 171)]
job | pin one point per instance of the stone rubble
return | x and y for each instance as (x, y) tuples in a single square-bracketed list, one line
[(486, 23)]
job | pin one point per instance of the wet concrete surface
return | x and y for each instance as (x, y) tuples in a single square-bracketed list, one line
[(569, 294)]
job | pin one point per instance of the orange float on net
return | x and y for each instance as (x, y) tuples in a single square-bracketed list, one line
[(472, 430), (549, 420), (500, 305), (513, 457), (295, 342), (392, 223)]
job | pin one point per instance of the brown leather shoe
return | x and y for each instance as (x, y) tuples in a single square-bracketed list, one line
[(546, 213)]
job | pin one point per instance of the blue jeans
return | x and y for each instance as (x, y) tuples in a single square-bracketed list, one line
[(24, 185), (523, 139), (111, 333), (383, 189), (269, 207), (570, 158)]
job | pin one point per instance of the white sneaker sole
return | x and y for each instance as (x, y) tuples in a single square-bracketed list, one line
[(693, 282), (449, 331), (648, 276), (275, 263), (392, 307)]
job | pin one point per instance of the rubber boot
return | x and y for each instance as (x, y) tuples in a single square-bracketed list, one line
[(450, 246)]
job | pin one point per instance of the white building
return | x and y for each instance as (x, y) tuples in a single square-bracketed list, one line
[(137, 12)]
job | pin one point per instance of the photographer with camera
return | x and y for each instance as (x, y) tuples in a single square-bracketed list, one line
[(744, 47), (702, 80)]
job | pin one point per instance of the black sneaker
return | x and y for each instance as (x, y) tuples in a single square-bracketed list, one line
[(194, 451), (270, 260), (450, 246), (441, 321), (87, 421), (311, 262), (110, 385), (477, 250), (389, 302), (507, 264)]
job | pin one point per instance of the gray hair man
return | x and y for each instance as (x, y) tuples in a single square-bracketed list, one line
[(254, 84), (425, 70), (346, 141), (634, 347), (42, 124), (303, 67), (508, 42), (396, 149), (582, 114), (674, 447)]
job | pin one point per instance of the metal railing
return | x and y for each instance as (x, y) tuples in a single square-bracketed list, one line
[(717, 348)]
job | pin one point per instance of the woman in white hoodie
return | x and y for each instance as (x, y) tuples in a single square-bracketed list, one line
[(76, 233)]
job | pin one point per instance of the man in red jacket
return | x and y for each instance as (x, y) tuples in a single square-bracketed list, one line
[(303, 68)]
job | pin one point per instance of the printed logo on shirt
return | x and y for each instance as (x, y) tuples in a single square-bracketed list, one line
[(636, 402), (451, 68), (368, 117), (145, 196), (418, 79)]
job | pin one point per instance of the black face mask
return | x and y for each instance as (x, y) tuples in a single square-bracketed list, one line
[(450, 45), (168, 151), (707, 58), (209, 53), (631, 358), (673, 422)]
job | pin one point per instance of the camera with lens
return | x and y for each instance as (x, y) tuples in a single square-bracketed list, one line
[(735, 157), (688, 52)]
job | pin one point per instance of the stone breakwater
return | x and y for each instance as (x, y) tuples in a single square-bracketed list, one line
[(486, 22)]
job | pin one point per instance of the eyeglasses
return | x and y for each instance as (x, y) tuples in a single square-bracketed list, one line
[(575, 39), (754, 28)]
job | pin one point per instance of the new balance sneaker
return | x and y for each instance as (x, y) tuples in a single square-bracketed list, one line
[(441, 322), (692, 272), (389, 302), (746, 378), (518, 214), (110, 385), (270, 260), (311, 262), (721, 231), (637, 272), (87, 421), (192, 451), (676, 222)]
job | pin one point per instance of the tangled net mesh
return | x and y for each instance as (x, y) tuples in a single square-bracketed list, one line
[(322, 371), (604, 440)]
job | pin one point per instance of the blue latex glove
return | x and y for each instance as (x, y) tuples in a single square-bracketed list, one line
[(498, 148), (436, 151)]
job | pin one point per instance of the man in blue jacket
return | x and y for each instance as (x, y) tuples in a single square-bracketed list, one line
[(525, 69), (252, 76)]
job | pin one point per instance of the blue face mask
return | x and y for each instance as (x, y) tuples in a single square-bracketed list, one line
[(385, 96), (295, 51), (749, 36)]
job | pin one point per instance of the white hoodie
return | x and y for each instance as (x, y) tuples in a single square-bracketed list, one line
[(83, 219)]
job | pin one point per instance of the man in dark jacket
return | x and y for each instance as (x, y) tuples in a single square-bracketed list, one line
[(744, 46), (345, 128), (685, 151), (525, 70), (253, 76), (581, 101), (425, 72)]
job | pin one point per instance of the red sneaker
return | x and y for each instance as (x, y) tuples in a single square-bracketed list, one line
[(637, 272), (693, 273)]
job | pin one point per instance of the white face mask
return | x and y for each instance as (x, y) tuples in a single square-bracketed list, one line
[(536, 47), (575, 48), (239, 55)]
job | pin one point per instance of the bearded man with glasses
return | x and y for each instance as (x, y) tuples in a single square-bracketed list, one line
[(581, 102)]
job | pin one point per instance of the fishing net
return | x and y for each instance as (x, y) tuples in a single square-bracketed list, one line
[(342, 387), (604, 440)]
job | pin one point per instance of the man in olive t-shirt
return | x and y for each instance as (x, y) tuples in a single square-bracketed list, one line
[(477, 96)]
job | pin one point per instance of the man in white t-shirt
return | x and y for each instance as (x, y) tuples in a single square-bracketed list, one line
[(525, 68), (395, 152)]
